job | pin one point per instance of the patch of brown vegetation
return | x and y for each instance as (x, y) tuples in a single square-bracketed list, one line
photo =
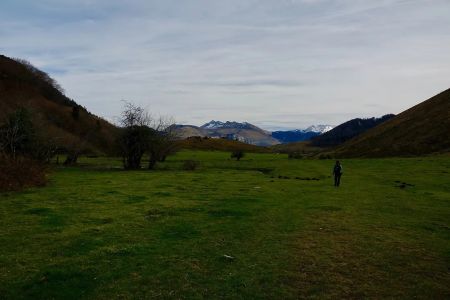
[(19, 173)]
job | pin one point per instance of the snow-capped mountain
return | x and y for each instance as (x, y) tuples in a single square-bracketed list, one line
[(220, 125), (319, 128), (249, 133), (243, 132), (299, 135), (213, 125)]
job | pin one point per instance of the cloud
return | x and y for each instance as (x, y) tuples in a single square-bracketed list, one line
[(287, 62)]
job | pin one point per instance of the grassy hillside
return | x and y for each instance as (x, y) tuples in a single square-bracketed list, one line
[(420, 130), (212, 144), (304, 147), (262, 228), (62, 119)]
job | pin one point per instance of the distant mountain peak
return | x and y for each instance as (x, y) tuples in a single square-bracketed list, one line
[(319, 128), (213, 125), (228, 124), (347, 131)]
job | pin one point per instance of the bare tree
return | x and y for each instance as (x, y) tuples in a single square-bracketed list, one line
[(16, 135), (142, 133), (163, 141), (74, 150), (135, 136)]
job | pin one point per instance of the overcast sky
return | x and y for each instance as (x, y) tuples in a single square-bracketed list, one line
[(274, 63)]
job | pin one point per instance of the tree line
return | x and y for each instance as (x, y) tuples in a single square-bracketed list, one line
[(139, 134)]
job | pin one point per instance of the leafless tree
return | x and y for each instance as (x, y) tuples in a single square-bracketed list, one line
[(11, 138), (136, 134), (143, 133), (16, 134), (163, 141)]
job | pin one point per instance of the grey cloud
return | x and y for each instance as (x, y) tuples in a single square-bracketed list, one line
[(288, 61)]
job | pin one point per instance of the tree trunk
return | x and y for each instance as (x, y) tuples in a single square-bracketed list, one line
[(152, 161), (71, 159)]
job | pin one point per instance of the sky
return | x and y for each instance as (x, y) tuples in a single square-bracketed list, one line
[(279, 64)]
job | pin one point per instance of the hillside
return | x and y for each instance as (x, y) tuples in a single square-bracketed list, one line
[(420, 130), (347, 131), (60, 118), (305, 148)]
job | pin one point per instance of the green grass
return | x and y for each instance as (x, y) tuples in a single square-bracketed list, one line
[(260, 228)]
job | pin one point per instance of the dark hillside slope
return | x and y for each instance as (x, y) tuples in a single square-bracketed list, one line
[(420, 130), (347, 131), (62, 119)]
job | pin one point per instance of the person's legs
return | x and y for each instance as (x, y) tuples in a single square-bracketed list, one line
[(338, 180)]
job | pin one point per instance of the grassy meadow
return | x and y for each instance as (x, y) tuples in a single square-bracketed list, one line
[(263, 228)]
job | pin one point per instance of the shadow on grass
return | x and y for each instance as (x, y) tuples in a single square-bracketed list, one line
[(59, 282)]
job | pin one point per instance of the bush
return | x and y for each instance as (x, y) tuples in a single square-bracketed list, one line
[(238, 154), (19, 173), (190, 165), (295, 155)]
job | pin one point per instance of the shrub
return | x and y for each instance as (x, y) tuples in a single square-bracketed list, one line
[(190, 165), (295, 155), (19, 173), (238, 154)]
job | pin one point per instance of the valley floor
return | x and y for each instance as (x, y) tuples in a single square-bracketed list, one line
[(266, 227)]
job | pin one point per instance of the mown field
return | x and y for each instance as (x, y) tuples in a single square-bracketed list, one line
[(262, 228)]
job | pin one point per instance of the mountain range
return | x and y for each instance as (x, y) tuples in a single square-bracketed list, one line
[(299, 135), (420, 130), (249, 133)]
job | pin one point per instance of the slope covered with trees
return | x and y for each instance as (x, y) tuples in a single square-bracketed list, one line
[(347, 131), (70, 126)]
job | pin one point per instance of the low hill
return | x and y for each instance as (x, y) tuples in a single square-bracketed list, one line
[(62, 119), (420, 130), (347, 131), (218, 144)]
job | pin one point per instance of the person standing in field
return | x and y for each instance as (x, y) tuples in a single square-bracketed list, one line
[(337, 172)]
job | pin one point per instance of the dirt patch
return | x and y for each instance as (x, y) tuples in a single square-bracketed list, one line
[(19, 173)]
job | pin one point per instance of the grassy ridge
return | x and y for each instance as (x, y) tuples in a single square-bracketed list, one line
[(265, 227), (420, 130), (213, 144)]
